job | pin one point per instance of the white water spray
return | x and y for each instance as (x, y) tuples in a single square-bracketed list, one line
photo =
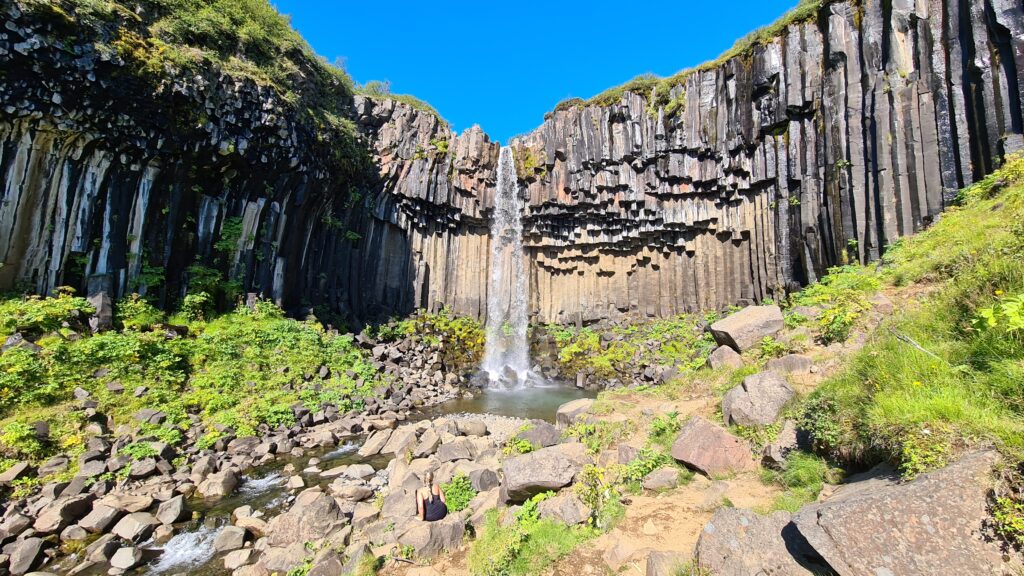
[(507, 352)]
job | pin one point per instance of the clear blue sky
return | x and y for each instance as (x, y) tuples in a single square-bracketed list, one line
[(503, 65)]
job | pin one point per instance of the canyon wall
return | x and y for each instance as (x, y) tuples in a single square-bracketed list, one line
[(819, 147)]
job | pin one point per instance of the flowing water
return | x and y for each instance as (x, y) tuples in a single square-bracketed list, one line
[(507, 352)]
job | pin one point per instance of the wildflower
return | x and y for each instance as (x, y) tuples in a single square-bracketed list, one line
[(999, 292), (917, 383)]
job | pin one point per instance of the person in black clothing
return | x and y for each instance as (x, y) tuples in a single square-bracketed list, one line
[(430, 503)]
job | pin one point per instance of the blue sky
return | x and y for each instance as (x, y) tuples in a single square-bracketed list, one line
[(503, 65)]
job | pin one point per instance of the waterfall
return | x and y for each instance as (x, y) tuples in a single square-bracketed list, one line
[(507, 352)]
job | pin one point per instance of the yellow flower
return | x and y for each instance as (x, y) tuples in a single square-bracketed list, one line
[(917, 383), (999, 292)]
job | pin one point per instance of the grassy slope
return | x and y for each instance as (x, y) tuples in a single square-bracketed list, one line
[(932, 383)]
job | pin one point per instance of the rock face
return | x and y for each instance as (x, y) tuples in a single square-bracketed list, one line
[(710, 449), (931, 525), (757, 401), (822, 145)]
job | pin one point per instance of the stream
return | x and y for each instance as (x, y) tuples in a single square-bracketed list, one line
[(190, 551)]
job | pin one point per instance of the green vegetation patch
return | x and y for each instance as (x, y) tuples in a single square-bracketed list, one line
[(527, 545), (241, 370), (949, 374), (460, 338), (679, 341)]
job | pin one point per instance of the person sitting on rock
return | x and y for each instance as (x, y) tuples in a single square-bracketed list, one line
[(430, 503)]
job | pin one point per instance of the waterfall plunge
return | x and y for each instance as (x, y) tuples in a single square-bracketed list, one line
[(507, 352)]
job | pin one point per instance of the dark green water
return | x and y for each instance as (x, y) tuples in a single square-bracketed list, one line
[(534, 403)]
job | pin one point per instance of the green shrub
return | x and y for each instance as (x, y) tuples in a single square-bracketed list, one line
[(664, 429), (135, 313), (35, 315), (772, 348), (138, 451), (803, 476), (843, 296), (679, 342), (525, 546), (515, 446), (599, 435), (459, 493), (1008, 520), (18, 438)]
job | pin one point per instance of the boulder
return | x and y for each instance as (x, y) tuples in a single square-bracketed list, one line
[(375, 443), (229, 538), (745, 329), (173, 510), (711, 450), (757, 401), (429, 441), (313, 516), (237, 558), (26, 554), (934, 524), (136, 527), (430, 538), (545, 469), (791, 364), (774, 454), (14, 472), (540, 434), (725, 357), (360, 471), (255, 526), (99, 519), (218, 485), (458, 449), (127, 502), (661, 479), (329, 564), (401, 440), (471, 427), (566, 508), (739, 542), (568, 413), (126, 558), (62, 512)]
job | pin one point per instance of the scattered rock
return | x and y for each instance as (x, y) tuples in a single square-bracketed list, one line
[(568, 413), (791, 364), (566, 508), (229, 538), (136, 527), (739, 542), (725, 357), (661, 479), (757, 401), (126, 558), (545, 469), (745, 329), (711, 450)]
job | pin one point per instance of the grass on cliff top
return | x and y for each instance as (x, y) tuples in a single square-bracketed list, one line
[(644, 84), (948, 374), (245, 38), (239, 370)]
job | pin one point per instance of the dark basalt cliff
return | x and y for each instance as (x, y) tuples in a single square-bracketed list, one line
[(823, 146)]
